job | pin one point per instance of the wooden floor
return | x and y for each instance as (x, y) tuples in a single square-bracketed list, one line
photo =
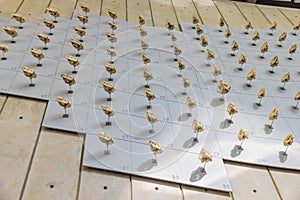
[(37, 163)]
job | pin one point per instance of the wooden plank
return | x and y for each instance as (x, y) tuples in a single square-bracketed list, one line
[(135, 8), (19, 129), (184, 10), (65, 7), (287, 182), (94, 5), (148, 189), (102, 185), (252, 13), (192, 193), (250, 182), (273, 14), (292, 14), (32, 10), (163, 11), (55, 167), (208, 12), (231, 14), (9, 7), (119, 6), (2, 101)]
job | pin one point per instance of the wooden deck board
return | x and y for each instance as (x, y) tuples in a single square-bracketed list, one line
[(32, 10), (20, 123), (65, 8), (119, 6), (136, 8), (184, 10), (192, 193), (208, 12)]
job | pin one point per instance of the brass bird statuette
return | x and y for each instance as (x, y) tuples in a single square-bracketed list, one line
[(186, 83), (242, 60), (77, 45), (30, 73), (209, 56), (195, 21), (111, 69), (227, 35), (73, 61), (191, 103), (199, 31), (144, 45), (146, 59), (288, 141), (155, 148), (44, 38), (297, 98), (274, 63), (204, 157), (221, 24), (150, 96), (181, 66), (80, 31), (286, 77), (273, 27), (255, 37), (173, 38), (112, 53), (204, 42), (107, 140), (282, 38), (19, 18), (234, 47), (292, 50), (50, 24), (112, 38), (170, 26), (260, 95), (273, 116), (109, 88), (152, 118), (37, 54), (147, 76), (84, 8), (109, 112), (54, 13), (83, 19), (263, 49), (4, 50), (177, 52), (223, 88), (113, 26), (141, 20), (242, 135), (296, 27), (12, 32), (232, 110), (251, 76), (112, 14), (142, 31), (69, 80), (197, 128), (216, 71), (65, 103), (248, 26)]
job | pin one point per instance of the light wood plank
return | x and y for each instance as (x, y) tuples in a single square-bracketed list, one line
[(55, 167), (19, 128), (287, 182), (2, 100), (273, 14), (9, 7), (250, 182), (252, 13), (292, 14), (163, 11), (138, 7), (192, 193), (184, 10), (32, 10), (148, 189), (94, 5), (208, 12), (119, 6), (65, 7), (231, 14), (102, 185)]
